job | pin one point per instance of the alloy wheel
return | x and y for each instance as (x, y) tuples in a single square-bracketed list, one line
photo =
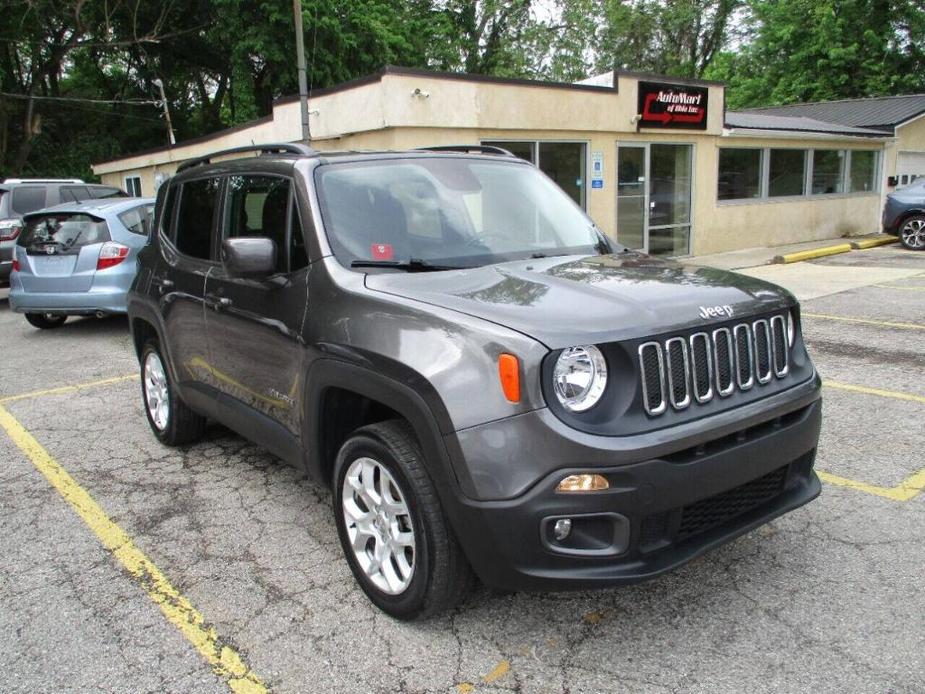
[(379, 525), (913, 233), (157, 397)]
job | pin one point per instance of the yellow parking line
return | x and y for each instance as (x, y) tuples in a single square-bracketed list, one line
[(905, 289), (846, 319), (226, 663), (906, 490), (68, 389), (875, 391)]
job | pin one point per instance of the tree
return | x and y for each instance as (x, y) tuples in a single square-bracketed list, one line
[(817, 50)]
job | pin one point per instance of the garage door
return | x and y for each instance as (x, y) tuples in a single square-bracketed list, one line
[(909, 166)]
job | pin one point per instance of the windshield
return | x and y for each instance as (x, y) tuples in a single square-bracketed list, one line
[(449, 212), (62, 234)]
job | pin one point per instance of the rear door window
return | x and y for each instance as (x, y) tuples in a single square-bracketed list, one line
[(107, 192), (28, 199), (138, 220), (74, 193), (196, 217), (62, 234)]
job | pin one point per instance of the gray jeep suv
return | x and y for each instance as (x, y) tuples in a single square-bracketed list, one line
[(487, 383)]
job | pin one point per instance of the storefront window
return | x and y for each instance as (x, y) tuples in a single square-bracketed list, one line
[(563, 162), (787, 172), (739, 174), (828, 171), (863, 171), (524, 150)]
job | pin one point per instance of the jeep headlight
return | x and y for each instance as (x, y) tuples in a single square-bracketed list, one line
[(580, 377)]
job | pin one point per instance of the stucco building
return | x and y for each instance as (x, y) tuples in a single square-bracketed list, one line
[(656, 161)]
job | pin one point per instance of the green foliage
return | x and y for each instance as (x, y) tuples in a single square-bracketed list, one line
[(818, 50), (224, 62)]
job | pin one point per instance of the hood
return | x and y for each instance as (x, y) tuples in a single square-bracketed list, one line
[(569, 301)]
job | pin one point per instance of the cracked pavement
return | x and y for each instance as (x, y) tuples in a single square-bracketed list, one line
[(827, 598)]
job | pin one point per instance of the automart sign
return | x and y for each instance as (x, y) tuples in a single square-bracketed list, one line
[(672, 106)]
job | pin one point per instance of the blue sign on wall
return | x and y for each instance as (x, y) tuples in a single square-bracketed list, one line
[(597, 183)]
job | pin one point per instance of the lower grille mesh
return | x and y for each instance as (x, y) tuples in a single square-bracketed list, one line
[(714, 511)]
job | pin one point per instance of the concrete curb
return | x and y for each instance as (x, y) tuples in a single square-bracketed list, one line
[(814, 253), (873, 243)]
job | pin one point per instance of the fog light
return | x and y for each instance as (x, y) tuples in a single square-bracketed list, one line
[(583, 483), (562, 528)]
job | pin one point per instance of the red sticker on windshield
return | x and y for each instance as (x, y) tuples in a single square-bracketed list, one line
[(381, 251)]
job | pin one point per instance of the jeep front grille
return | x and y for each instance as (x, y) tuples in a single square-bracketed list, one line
[(683, 370)]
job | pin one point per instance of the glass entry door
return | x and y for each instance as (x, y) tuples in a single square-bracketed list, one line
[(654, 197)]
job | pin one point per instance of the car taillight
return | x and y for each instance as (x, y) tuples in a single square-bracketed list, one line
[(15, 266), (111, 254), (9, 229)]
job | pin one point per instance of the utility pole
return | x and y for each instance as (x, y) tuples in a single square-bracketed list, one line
[(303, 82), (160, 85)]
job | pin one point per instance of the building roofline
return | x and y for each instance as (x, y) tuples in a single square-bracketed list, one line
[(193, 141), (373, 78), (693, 82), (834, 101)]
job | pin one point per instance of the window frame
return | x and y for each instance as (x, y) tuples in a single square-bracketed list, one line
[(762, 173), (808, 163), (130, 188), (170, 236), (290, 203), (535, 148)]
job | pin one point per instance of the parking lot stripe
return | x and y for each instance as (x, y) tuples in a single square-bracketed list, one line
[(866, 321), (225, 661), (906, 490), (68, 389), (875, 391)]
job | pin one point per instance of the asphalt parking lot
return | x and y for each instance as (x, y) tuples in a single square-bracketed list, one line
[(127, 566)]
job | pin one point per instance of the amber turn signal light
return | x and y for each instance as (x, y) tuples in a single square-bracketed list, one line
[(583, 483), (509, 373)]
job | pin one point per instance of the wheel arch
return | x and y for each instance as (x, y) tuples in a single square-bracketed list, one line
[(340, 397)]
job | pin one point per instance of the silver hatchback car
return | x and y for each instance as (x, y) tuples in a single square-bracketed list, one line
[(78, 259)]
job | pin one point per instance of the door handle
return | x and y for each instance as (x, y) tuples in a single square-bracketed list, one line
[(217, 302), (164, 284)]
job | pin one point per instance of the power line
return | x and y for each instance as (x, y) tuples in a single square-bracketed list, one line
[(128, 102)]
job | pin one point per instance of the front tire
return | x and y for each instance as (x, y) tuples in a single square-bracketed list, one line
[(45, 321), (392, 528), (173, 423), (912, 233)]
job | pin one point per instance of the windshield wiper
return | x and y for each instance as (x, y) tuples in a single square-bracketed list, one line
[(412, 265)]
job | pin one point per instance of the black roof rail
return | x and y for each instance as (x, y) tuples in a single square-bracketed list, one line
[(482, 149), (275, 148)]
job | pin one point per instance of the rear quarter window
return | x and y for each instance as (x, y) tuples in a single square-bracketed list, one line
[(138, 220), (73, 193), (27, 199), (62, 234)]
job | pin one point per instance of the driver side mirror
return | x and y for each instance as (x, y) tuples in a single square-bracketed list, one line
[(253, 256)]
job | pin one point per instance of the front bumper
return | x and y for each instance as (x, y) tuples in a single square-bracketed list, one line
[(659, 512)]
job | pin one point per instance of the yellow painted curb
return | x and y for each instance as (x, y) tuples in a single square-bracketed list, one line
[(815, 253), (873, 243)]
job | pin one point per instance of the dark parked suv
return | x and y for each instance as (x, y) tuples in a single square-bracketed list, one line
[(486, 382)]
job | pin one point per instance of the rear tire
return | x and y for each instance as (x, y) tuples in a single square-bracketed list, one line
[(388, 515), (912, 233), (45, 321), (173, 423)]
